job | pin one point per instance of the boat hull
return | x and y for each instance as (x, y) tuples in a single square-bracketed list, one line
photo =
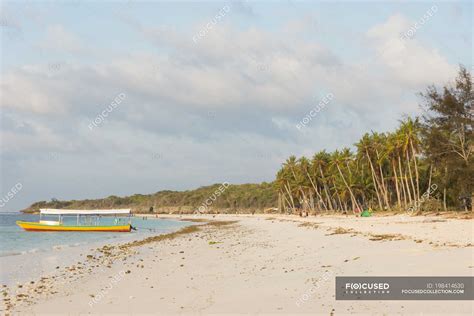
[(32, 226)]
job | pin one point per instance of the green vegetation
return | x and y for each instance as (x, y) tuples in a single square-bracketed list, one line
[(236, 198), (426, 164)]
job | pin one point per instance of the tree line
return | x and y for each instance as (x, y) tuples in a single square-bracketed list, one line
[(425, 164), (235, 198)]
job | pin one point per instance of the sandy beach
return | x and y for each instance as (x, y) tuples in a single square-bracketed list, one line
[(262, 265)]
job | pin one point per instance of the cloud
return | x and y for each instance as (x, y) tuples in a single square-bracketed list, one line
[(222, 109), (406, 60), (44, 94), (59, 39), (266, 79)]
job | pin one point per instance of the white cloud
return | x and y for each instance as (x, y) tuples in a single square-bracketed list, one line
[(407, 61), (229, 71), (217, 110), (59, 39), (30, 91)]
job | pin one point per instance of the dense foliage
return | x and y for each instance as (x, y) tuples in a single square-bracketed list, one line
[(427, 163), (235, 198)]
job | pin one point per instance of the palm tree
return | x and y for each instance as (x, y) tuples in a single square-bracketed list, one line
[(411, 131), (402, 166), (339, 159), (307, 169), (364, 147), (283, 182), (319, 164), (405, 139), (391, 154)]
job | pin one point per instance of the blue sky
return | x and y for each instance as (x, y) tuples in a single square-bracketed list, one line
[(205, 109), (336, 24)]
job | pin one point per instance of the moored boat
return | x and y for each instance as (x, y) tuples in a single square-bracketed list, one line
[(86, 221)]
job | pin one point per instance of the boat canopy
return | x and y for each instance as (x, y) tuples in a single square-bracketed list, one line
[(50, 211)]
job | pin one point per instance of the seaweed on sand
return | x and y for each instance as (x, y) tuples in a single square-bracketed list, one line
[(340, 231)]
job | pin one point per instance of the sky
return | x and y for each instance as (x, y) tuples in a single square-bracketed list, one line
[(123, 97)]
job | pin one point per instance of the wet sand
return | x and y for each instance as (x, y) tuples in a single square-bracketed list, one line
[(258, 265)]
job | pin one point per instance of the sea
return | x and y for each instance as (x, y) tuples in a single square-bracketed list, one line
[(16, 241), (25, 256)]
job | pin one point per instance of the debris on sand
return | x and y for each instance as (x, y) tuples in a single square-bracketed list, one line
[(309, 225), (340, 231), (389, 237)]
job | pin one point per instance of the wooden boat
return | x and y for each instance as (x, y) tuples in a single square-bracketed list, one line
[(86, 221)]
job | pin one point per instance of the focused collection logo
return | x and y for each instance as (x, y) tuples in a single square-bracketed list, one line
[(367, 288), (404, 288)]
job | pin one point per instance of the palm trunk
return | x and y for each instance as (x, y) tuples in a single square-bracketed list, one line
[(382, 180), (416, 170), (429, 181), (407, 188), (326, 189), (340, 201), (311, 203), (374, 180), (354, 201), (279, 202), (316, 190), (290, 195), (407, 185), (444, 200), (287, 202), (348, 168), (444, 190), (405, 193), (411, 177), (399, 201), (384, 188), (305, 200)]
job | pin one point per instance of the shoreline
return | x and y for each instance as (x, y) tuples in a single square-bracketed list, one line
[(401, 225), (87, 262), (257, 253), (28, 264)]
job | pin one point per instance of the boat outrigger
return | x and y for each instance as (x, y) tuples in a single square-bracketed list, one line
[(85, 221)]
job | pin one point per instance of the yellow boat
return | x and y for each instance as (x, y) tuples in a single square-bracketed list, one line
[(87, 221)]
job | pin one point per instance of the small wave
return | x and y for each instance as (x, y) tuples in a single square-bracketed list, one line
[(8, 254), (18, 253), (63, 246), (59, 247)]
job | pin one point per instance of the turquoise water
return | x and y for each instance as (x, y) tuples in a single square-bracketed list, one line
[(16, 241)]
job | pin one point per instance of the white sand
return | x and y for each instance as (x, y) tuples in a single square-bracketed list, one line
[(262, 266)]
